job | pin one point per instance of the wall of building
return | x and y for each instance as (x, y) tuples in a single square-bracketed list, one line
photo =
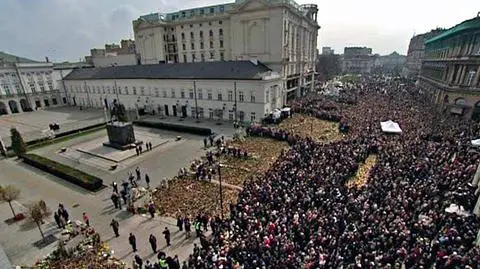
[(253, 96), (117, 60), (150, 44), (29, 86), (451, 68), (276, 33)]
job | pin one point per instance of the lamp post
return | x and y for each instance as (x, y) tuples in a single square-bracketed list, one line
[(235, 104), (195, 95), (116, 90), (88, 95), (221, 191)]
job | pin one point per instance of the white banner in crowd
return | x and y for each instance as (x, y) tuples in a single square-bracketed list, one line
[(476, 143), (390, 127)]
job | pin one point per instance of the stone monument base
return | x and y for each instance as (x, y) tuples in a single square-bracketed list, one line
[(121, 136), (122, 147)]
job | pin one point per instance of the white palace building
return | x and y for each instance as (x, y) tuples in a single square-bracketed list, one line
[(29, 86), (228, 90), (280, 33)]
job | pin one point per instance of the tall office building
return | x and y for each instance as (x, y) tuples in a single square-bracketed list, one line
[(280, 33)]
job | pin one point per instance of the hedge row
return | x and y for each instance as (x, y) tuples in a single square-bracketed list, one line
[(68, 173), (175, 127)]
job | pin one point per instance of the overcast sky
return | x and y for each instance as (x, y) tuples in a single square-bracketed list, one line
[(67, 29)]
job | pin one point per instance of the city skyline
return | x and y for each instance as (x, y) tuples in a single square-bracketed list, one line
[(66, 30)]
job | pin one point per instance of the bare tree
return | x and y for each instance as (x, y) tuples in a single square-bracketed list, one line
[(8, 194), (38, 211)]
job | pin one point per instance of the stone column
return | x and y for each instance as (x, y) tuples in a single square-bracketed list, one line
[(450, 75), (7, 107), (476, 209), (477, 77), (460, 76), (19, 106), (476, 177)]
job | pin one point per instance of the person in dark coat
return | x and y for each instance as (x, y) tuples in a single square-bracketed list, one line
[(115, 198), (123, 194), (138, 261), (176, 263), (166, 233), (180, 223), (153, 243), (151, 210), (147, 179), (137, 171), (115, 187), (133, 242), (63, 212), (188, 226), (56, 216), (115, 226)]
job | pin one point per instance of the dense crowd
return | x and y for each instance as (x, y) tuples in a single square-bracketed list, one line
[(302, 215)]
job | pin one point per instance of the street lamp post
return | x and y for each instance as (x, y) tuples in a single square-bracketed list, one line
[(221, 191), (195, 95), (235, 104), (116, 90)]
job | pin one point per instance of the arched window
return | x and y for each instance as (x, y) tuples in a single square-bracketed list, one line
[(183, 36), (192, 35), (220, 32), (201, 34), (210, 33)]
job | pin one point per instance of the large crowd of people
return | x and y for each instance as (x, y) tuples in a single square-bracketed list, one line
[(301, 214)]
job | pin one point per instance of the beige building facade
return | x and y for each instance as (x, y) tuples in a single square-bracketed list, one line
[(246, 91), (114, 55), (279, 33)]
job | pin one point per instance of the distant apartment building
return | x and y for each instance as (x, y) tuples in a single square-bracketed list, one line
[(391, 63), (327, 51), (415, 54), (451, 69), (280, 33), (357, 60), (114, 55)]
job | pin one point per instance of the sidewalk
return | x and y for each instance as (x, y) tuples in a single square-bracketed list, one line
[(18, 238)]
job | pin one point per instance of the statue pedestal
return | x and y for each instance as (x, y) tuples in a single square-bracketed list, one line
[(121, 136)]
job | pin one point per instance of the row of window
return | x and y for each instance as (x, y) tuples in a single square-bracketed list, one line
[(458, 46), (192, 34), (191, 26), (156, 93), (192, 45), (31, 84), (202, 57)]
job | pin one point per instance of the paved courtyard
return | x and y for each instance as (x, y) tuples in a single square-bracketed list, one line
[(163, 161), (31, 124)]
